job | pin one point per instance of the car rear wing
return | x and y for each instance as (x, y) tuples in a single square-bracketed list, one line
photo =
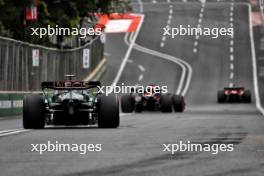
[(70, 85), (234, 88)]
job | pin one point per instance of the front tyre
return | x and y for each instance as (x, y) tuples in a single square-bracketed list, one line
[(247, 96), (221, 96), (33, 112), (166, 103), (178, 103), (127, 104), (108, 114)]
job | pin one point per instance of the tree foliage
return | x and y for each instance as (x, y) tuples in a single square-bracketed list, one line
[(65, 13)]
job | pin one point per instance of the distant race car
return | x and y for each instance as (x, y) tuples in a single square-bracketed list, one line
[(70, 103), (234, 94), (147, 101)]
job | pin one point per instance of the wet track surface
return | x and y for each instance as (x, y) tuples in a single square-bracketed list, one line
[(136, 147)]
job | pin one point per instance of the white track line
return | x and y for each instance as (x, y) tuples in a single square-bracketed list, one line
[(184, 65), (254, 62), (10, 132), (231, 57), (130, 61), (123, 64), (141, 68), (231, 75), (140, 78)]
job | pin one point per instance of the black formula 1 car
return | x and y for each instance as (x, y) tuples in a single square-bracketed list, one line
[(70, 103), (234, 95), (148, 101)]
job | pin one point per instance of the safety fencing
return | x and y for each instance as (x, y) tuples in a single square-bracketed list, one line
[(24, 66)]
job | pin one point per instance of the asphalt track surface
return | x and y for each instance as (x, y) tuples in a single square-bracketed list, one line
[(136, 147)]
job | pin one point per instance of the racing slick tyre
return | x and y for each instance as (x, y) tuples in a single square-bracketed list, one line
[(127, 104), (138, 108), (108, 114), (247, 96), (166, 103), (178, 103), (33, 112), (220, 96)]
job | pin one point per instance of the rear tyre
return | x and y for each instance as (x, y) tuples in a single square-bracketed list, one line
[(247, 96), (166, 103), (178, 103), (127, 104), (220, 96), (33, 112), (108, 115)]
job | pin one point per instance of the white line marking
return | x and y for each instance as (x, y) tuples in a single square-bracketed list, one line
[(231, 42), (176, 60), (163, 38), (140, 77), (123, 64), (126, 114), (13, 132), (162, 44), (170, 17), (130, 61), (107, 54), (254, 62), (195, 43), (200, 20), (231, 57), (197, 37), (231, 66), (231, 8), (231, 75), (5, 131), (168, 1), (171, 11), (202, 10), (154, 1), (231, 49), (169, 22), (195, 50), (201, 15), (231, 84), (171, 6), (231, 25), (231, 13), (231, 19), (141, 68)]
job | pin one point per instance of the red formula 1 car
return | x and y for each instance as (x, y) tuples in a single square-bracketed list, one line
[(150, 101), (234, 95)]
